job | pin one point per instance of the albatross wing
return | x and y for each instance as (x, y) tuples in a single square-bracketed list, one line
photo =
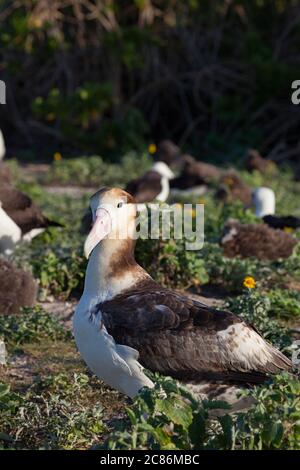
[(181, 337)]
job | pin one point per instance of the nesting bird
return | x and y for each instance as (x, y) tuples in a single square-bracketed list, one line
[(153, 185), (167, 152), (232, 187), (254, 161), (125, 320), (195, 175), (23, 212), (257, 241), (17, 288), (5, 174)]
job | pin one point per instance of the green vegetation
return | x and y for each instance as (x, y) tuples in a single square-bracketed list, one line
[(53, 414), (93, 171), (48, 400), (170, 418), (91, 84), (33, 325)]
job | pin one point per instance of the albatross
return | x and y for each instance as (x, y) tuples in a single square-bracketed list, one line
[(154, 184), (10, 233), (256, 241), (254, 161), (17, 288), (24, 212), (264, 200), (232, 188), (125, 320), (194, 176)]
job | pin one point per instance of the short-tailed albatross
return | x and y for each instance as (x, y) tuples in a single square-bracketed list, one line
[(125, 316)]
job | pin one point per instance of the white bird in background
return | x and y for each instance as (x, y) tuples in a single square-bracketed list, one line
[(264, 201)]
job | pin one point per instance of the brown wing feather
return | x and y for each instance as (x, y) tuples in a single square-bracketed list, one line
[(181, 337)]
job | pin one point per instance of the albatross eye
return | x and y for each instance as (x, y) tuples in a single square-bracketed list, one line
[(120, 204)]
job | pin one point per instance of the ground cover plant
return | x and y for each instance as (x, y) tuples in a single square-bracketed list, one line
[(48, 398)]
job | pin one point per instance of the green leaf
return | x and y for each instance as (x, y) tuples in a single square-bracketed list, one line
[(176, 410)]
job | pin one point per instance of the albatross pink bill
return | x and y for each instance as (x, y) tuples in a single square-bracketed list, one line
[(101, 228)]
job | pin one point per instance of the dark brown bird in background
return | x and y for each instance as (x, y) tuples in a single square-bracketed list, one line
[(195, 173), (154, 184), (17, 288), (23, 211), (256, 240), (254, 161), (233, 188), (167, 152)]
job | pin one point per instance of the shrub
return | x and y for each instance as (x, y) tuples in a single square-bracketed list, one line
[(34, 325), (168, 417)]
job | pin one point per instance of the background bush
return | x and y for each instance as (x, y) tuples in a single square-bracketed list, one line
[(104, 75)]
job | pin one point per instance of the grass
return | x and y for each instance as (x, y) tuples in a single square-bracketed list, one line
[(49, 400)]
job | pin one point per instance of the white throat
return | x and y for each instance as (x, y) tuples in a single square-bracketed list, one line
[(99, 283), (264, 202)]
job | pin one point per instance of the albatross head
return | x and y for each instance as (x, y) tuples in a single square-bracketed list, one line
[(114, 214), (264, 202)]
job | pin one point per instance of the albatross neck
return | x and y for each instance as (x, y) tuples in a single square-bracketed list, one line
[(112, 269)]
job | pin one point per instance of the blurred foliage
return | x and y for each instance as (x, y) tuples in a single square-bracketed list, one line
[(94, 171), (212, 74), (171, 264)]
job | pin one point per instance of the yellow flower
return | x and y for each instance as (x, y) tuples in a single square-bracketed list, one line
[(57, 156), (249, 282), (288, 229), (50, 117), (152, 149)]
